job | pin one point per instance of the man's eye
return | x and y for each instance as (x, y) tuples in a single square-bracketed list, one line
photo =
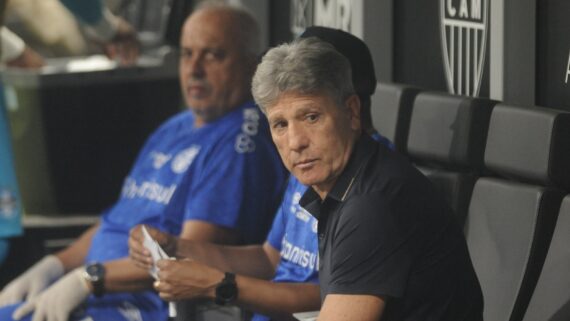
[(185, 54), (311, 118), (212, 55), (279, 124)]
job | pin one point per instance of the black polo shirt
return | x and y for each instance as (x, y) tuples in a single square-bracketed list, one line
[(385, 231)]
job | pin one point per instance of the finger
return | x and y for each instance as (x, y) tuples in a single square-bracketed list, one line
[(141, 262), (132, 53), (164, 264), (135, 233), (110, 51), (136, 248), (119, 53), (166, 296), (164, 290), (157, 286), (40, 314), (137, 258), (25, 309)]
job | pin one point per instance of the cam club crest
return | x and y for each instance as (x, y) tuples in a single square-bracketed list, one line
[(464, 25)]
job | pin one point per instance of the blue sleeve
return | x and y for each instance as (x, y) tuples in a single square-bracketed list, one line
[(289, 205), (88, 11), (277, 230)]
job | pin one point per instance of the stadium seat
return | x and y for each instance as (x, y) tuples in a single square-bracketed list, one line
[(530, 144), (391, 109), (456, 187), (449, 131), (551, 298), (511, 218), (446, 141)]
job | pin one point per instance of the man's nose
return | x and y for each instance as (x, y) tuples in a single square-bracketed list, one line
[(195, 67), (298, 139)]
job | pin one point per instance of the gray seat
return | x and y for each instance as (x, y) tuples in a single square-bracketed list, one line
[(456, 187), (391, 110), (530, 144), (507, 230), (551, 298), (511, 218), (446, 141), (449, 131)]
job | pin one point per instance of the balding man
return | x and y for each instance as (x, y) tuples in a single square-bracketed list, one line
[(210, 173)]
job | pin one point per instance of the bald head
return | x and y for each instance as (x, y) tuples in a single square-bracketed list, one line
[(219, 46), (242, 24)]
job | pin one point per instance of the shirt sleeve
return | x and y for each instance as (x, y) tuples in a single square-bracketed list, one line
[(372, 249), (277, 231)]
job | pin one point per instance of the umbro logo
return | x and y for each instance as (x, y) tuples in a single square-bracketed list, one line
[(159, 159)]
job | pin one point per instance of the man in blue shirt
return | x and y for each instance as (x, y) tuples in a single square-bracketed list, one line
[(289, 257), (210, 173)]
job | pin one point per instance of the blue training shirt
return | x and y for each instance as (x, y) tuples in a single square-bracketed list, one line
[(226, 173)]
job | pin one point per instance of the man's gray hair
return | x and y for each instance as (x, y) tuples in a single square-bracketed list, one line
[(305, 66), (247, 27)]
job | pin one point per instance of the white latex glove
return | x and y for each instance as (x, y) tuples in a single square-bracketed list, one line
[(58, 301), (33, 281)]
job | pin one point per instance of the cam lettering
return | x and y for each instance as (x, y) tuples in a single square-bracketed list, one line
[(476, 9), (464, 13), (451, 11)]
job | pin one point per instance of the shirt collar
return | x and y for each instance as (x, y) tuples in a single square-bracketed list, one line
[(363, 148)]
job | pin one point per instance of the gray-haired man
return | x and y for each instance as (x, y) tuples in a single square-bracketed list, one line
[(388, 244)]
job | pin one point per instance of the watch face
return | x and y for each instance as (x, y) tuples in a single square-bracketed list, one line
[(227, 291), (95, 271)]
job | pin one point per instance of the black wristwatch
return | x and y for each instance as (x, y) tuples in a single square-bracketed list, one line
[(227, 291), (95, 274)]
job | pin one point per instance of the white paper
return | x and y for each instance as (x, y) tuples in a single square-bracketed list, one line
[(157, 253), (306, 316)]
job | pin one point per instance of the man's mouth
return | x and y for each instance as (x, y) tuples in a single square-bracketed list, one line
[(305, 164), (195, 90)]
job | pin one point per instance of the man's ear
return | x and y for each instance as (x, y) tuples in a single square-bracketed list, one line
[(352, 105)]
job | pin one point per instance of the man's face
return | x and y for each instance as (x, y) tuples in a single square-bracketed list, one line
[(214, 72), (314, 136)]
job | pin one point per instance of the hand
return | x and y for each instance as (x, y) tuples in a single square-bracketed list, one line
[(186, 279), (58, 301), (29, 59), (139, 254), (33, 281), (124, 46)]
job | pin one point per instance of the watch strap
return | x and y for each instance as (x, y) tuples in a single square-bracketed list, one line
[(226, 291), (95, 274)]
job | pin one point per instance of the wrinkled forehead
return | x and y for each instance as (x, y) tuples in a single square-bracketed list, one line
[(292, 103)]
